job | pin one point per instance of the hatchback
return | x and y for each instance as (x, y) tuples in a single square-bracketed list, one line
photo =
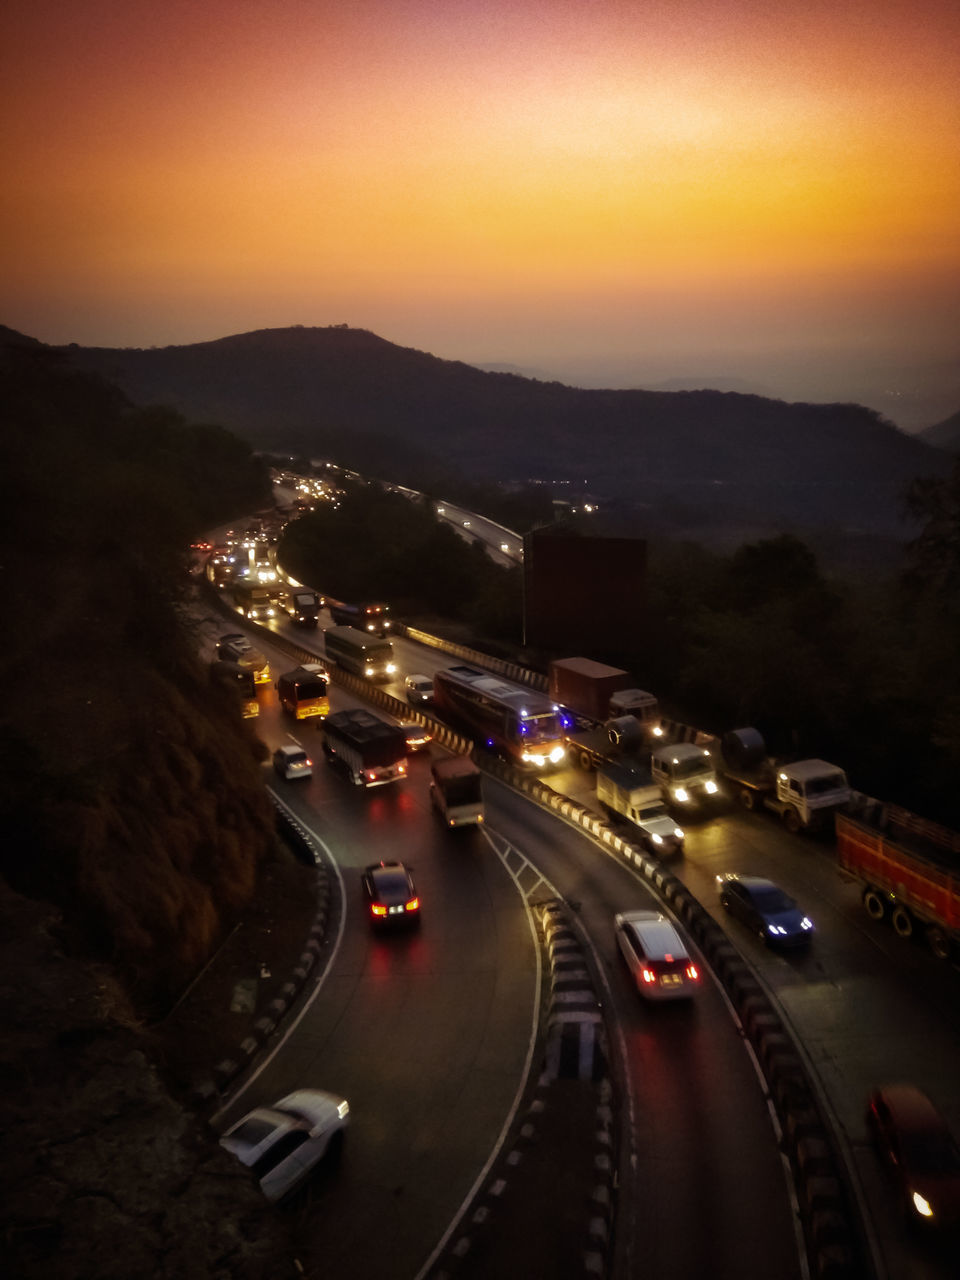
[(656, 955), (291, 761)]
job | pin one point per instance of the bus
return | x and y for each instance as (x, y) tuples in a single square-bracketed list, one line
[(359, 653), (371, 617), (521, 723)]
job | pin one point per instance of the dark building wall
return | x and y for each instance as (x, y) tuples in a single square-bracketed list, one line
[(583, 595)]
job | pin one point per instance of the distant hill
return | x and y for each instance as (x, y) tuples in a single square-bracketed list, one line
[(945, 435), (686, 456)]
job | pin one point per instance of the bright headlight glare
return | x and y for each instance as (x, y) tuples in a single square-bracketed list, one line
[(556, 755), (710, 788), (681, 795), (922, 1206), (391, 668), (657, 839), (678, 833)]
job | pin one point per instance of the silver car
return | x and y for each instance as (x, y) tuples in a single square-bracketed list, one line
[(656, 955), (291, 761), (284, 1143)]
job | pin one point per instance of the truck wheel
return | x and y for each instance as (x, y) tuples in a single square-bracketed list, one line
[(874, 905), (939, 942), (585, 762), (791, 820), (747, 798), (902, 922)]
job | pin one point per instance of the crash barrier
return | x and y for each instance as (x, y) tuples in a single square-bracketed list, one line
[(835, 1248), (211, 1090), (509, 670)]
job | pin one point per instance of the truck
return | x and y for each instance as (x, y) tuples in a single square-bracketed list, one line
[(618, 741), (302, 604), (254, 601), (804, 794), (371, 751), (241, 679), (908, 870), (593, 692), (235, 647), (373, 617), (302, 692), (633, 793), (455, 791), (685, 772)]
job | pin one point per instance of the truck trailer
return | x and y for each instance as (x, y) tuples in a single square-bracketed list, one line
[(908, 870), (371, 751), (804, 794), (620, 741), (633, 793)]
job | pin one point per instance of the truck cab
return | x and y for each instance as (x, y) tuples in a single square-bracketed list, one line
[(685, 772), (812, 788), (641, 705)]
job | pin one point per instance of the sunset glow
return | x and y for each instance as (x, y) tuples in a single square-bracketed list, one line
[(534, 182)]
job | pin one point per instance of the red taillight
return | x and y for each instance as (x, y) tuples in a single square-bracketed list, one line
[(693, 973), (371, 776), (377, 910), (413, 904), (403, 766), (648, 975)]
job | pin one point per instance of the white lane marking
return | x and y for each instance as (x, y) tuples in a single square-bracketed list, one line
[(318, 985), (524, 1075)]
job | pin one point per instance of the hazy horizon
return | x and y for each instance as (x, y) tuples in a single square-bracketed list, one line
[(608, 194)]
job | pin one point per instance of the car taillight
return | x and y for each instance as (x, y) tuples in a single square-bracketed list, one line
[(403, 766), (693, 973), (413, 904), (377, 909), (371, 776), (648, 975)]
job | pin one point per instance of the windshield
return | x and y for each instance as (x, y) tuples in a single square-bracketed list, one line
[(653, 811), (688, 768), (545, 728), (830, 782), (378, 653), (772, 902), (304, 599)]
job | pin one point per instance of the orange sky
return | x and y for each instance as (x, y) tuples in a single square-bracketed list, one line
[(659, 189)]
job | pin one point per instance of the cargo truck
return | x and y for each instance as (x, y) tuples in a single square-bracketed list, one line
[(908, 870), (235, 647), (371, 751), (254, 601), (302, 692), (241, 679), (371, 617), (616, 742), (592, 691), (804, 794), (685, 773), (634, 794), (302, 605), (455, 791)]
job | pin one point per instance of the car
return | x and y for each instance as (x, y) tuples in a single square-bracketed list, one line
[(418, 688), (466, 524), (390, 894), (765, 909), (291, 761), (656, 955), (233, 647), (418, 737), (284, 1143), (913, 1140)]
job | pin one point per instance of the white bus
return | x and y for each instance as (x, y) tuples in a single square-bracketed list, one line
[(362, 654)]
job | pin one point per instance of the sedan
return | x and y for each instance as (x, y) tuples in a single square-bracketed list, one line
[(914, 1142), (418, 738), (390, 894), (765, 909), (284, 1143)]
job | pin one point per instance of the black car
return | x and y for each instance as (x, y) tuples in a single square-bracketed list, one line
[(390, 894), (914, 1142), (765, 909)]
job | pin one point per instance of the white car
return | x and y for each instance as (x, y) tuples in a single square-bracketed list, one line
[(419, 688), (656, 956), (284, 1143), (291, 761)]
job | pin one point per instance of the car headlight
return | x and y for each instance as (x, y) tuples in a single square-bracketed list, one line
[(656, 839), (710, 788), (681, 794), (391, 668), (678, 833), (343, 1109), (806, 923), (368, 671), (922, 1206)]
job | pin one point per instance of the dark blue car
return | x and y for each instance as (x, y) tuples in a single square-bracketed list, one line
[(765, 909)]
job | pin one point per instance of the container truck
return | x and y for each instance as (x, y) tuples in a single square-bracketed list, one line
[(592, 691), (455, 791), (805, 794), (633, 793), (908, 870), (371, 751)]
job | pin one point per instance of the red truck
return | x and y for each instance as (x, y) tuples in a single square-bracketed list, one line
[(908, 869), (592, 691)]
